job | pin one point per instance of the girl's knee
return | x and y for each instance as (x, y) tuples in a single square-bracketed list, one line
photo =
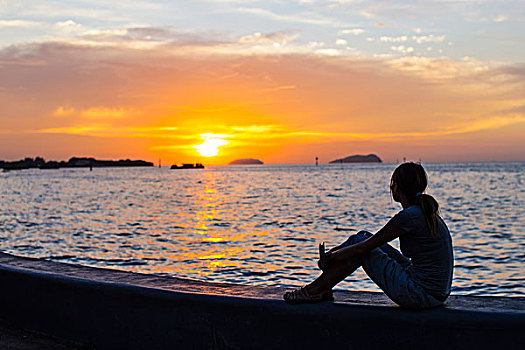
[(358, 237), (365, 234), (362, 236)]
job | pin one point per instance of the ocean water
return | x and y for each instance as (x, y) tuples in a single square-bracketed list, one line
[(258, 225)]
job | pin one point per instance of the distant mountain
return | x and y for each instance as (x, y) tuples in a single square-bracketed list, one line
[(371, 158), (246, 161)]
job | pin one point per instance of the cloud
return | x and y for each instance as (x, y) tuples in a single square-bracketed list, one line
[(390, 39), (428, 38), (468, 127), (69, 24), (500, 18), (108, 131), (398, 11), (19, 23), (355, 31), (517, 70), (491, 123), (402, 49), (21, 62), (328, 52), (304, 17), (146, 38), (279, 88), (247, 133), (99, 112), (183, 42), (258, 129), (162, 99), (280, 38), (314, 44), (97, 10), (432, 68), (342, 42), (63, 111), (519, 109)]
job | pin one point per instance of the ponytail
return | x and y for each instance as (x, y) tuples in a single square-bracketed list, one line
[(430, 208)]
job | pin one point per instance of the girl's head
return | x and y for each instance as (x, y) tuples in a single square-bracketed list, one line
[(410, 180)]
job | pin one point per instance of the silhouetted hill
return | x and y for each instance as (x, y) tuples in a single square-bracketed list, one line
[(74, 162), (371, 158), (246, 161)]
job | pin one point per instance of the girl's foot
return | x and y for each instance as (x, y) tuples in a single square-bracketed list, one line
[(301, 296)]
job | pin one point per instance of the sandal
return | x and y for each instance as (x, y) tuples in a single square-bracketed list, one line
[(301, 296)]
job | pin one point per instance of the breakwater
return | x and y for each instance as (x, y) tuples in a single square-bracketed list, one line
[(113, 309)]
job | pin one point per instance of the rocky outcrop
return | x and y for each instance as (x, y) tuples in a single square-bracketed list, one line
[(371, 158)]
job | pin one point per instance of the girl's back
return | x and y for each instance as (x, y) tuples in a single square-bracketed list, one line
[(432, 257)]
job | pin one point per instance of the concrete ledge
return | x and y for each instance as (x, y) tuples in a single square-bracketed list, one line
[(121, 310)]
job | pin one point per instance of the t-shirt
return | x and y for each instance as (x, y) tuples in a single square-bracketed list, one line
[(432, 258)]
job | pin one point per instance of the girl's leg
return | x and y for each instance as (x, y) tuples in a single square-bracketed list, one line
[(337, 272), (386, 266), (332, 275)]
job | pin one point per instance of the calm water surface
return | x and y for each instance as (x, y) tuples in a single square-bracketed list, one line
[(257, 225)]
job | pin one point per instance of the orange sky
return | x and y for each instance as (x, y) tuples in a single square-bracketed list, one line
[(61, 99)]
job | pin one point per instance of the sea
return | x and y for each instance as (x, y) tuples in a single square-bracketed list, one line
[(258, 225)]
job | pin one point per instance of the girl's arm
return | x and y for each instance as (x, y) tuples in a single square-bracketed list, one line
[(385, 235)]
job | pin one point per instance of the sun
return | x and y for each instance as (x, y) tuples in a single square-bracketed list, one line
[(211, 144)]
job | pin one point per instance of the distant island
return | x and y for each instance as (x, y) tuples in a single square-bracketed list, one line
[(246, 161), (74, 162), (371, 158)]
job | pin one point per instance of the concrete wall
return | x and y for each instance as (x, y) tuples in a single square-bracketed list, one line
[(112, 315)]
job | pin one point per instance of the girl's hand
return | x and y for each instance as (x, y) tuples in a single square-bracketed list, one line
[(324, 257)]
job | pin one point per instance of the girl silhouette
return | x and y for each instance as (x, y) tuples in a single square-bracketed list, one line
[(420, 276)]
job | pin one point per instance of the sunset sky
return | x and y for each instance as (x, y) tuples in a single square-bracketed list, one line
[(281, 81)]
